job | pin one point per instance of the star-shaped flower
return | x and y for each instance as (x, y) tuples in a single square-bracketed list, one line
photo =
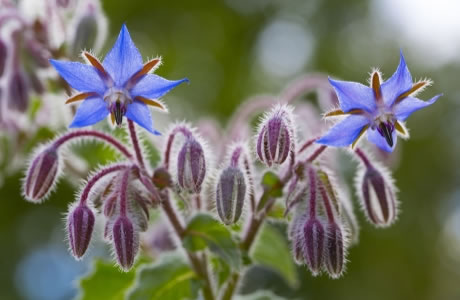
[(379, 109), (120, 86)]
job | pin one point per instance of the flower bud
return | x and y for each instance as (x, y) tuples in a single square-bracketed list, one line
[(276, 136), (85, 34), (19, 92), (3, 52), (230, 195), (378, 197), (335, 257), (41, 175), (80, 224), (161, 178), (191, 166), (314, 235), (125, 239)]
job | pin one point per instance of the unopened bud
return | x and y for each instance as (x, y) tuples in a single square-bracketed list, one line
[(230, 195), (126, 242), (19, 92), (110, 205), (3, 52), (335, 253), (85, 34), (275, 136), (378, 197), (314, 235), (80, 224), (41, 175), (191, 166), (161, 178)]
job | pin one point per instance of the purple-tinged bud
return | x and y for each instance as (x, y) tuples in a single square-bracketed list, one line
[(230, 195), (378, 196), (126, 242), (335, 250), (191, 166), (314, 235), (3, 60), (296, 236), (85, 34), (41, 175), (275, 139), (80, 224), (19, 92)]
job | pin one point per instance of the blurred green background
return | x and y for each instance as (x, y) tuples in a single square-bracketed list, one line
[(233, 49)]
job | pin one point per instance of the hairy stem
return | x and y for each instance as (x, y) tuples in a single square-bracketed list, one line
[(93, 180), (94, 134), (136, 144), (360, 153)]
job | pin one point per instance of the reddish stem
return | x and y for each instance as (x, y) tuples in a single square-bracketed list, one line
[(95, 134), (182, 129), (327, 203), (306, 145), (136, 145), (93, 180), (312, 199), (316, 153), (124, 191), (363, 157)]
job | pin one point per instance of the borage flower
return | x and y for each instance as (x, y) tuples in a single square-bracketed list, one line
[(379, 109), (120, 86)]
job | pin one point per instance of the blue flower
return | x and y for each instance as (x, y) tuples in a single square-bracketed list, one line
[(120, 86), (379, 109)]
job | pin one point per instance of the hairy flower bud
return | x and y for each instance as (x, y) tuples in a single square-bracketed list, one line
[(230, 195), (335, 252), (41, 175), (191, 166), (80, 224), (314, 235), (161, 178), (126, 242), (275, 137), (378, 196), (85, 34)]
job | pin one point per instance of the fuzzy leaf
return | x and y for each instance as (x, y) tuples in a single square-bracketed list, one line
[(105, 281), (169, 278), (205, 231), (271, 250)]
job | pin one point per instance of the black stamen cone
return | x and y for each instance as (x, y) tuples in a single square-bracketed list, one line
[(118, 113), (386, 132)]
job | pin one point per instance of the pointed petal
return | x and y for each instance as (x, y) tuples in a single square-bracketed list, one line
[(353, 95), (91, 111), (140, 113), (399, 83), (81, 77), (153, 86), (375, 137), (345, 132), (124, 59), (406, 107)]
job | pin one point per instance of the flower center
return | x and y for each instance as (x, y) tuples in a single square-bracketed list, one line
[(117, 102), (385, 125)]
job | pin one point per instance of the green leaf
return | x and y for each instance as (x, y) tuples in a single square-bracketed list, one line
[(105, 281), (273, 188), (271, 250), (204, 231), (259, 295), (168, 278)]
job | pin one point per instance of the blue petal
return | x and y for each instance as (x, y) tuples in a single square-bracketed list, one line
[(153, 86), (399, 83), (353, 95), (91, 111), (345, 132), (408, 105), (375, 137), (81, 77), (140, 113), (124, 59)]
